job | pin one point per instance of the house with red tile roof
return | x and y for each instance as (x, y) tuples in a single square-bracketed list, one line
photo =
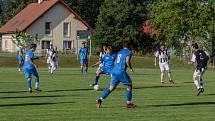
[(52, 21)]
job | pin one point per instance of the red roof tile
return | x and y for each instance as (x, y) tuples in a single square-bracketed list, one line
[(31, 13)]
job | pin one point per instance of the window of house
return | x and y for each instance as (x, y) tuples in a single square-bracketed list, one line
[(68, 45), (66, 29), (82, 34), (46, 44), (48, 28)]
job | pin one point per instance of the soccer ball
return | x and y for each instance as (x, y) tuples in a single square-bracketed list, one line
[(97, 87)]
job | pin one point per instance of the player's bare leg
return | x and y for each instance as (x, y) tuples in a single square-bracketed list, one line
[(104, 95), (98, 73), (86, 68), (162, 76), (29, 84), (196, 80), (170, 76), (82, 69)]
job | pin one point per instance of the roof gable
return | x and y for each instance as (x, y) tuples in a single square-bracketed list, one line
[(32, 13)]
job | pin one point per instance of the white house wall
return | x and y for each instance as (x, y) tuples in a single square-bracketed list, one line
[(57, 15), (7, 44)]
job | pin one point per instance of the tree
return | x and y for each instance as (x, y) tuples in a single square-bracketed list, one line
[(118, 21), (10, 8), (24, 39), (187, 20), (87, 9)]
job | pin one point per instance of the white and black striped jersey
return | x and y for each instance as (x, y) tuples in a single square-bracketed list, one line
[(102, 54), (162, 55)]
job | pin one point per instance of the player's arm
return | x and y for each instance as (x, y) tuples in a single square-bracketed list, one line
[(193, 59), (168, 57), (47, 54), (208, 56), (128, 63), (156, 56), (96, 64), (32, 62)]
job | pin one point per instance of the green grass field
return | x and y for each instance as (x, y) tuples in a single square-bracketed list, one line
[(67, 97)]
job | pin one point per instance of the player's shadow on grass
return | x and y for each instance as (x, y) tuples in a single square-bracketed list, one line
[(20, 97), (184, 104), (69, 90), (140, 74), (163, 86), (209, 94), (189, 82), (33, 104), (11, 92)]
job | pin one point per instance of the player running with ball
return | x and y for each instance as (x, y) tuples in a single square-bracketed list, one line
[(201, 58), (107, 62), (118, 75)]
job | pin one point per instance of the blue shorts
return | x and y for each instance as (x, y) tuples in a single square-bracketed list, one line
[(28, 72), (117, 78), (106, 71), (83, 61)]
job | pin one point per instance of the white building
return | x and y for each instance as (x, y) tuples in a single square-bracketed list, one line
[(52, 20)]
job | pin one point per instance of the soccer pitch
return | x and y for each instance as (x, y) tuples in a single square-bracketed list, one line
[(66, 96)]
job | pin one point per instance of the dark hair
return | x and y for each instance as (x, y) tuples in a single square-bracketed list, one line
[(109, 47), (127, 45), (195, 45), (162, 44), (33, 46)]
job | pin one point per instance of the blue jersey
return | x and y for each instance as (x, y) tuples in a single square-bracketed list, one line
[(83, 53), (108, 61), (120, 65), (29, 56)]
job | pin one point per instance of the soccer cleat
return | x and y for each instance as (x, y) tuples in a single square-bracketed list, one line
[(30, 90), (131, 105), (171, 81), (38, 90), (98, 103), (162, 82), (199, 91), (202, 90)]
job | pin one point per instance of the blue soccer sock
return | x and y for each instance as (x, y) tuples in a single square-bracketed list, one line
[(37, 82), (128, 96), (96, 80), (29, 83), (105, 94)]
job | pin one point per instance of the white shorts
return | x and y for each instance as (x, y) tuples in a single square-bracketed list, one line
[(164, 66), (54, 64), (199, 72), (99, 68), (48, 60)]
